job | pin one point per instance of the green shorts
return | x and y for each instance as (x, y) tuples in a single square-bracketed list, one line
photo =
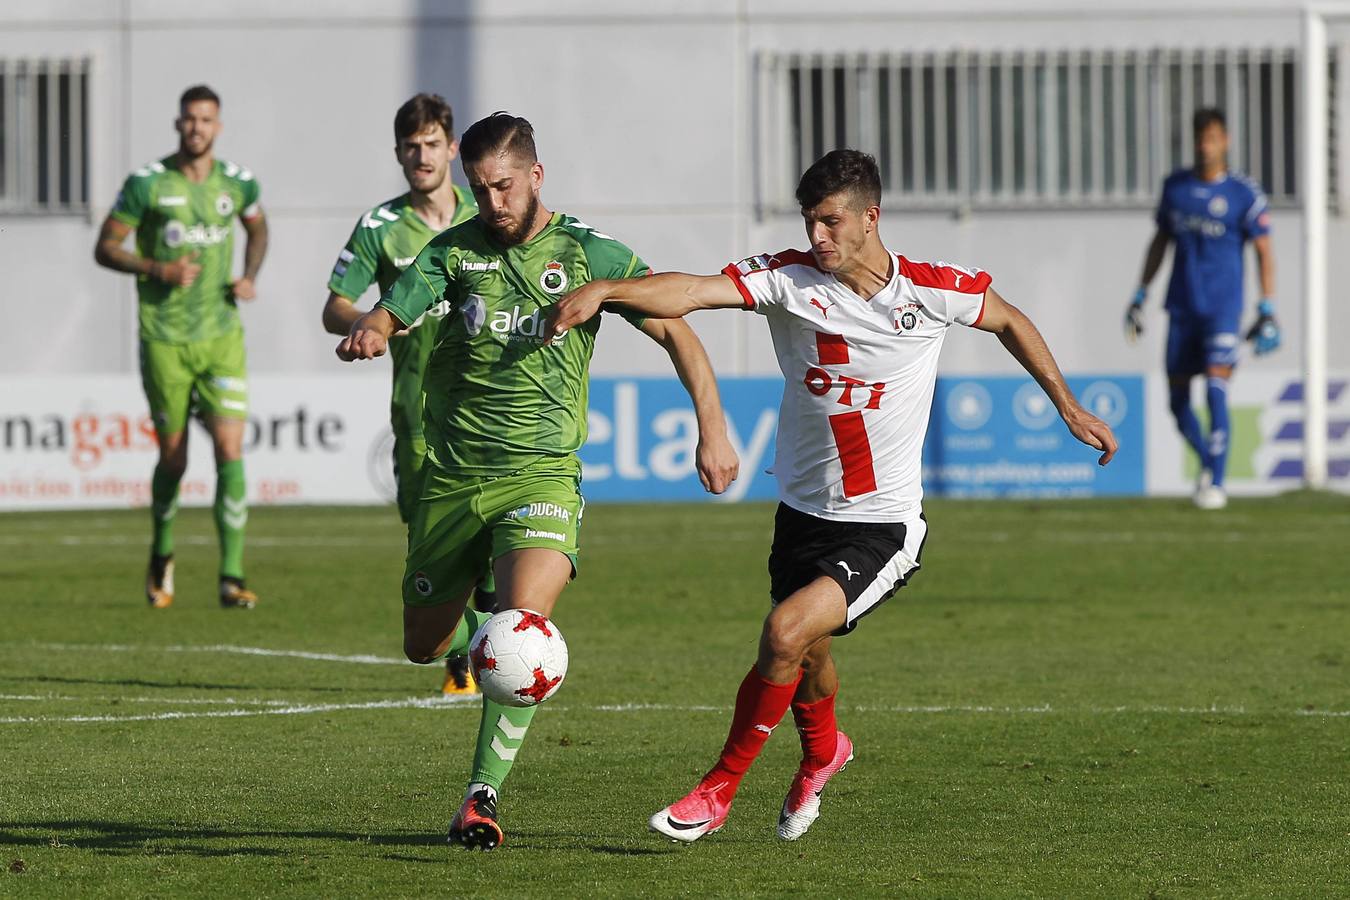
[(212, 374), (461, 523)]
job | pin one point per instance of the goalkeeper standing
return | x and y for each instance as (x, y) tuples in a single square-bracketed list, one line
[(1209, 214)]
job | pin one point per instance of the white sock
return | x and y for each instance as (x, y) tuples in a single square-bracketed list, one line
[(476, 786)]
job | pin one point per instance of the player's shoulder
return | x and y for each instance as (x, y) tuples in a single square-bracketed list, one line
[(586, 236), (381, 214), (150, 171), (785, 261), (1246, 184), (232, 171), (1178, 176), (943, 275)]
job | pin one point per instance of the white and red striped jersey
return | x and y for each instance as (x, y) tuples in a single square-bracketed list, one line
[(859, 377)]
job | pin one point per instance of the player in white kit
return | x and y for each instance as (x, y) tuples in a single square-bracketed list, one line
[(857, 330)]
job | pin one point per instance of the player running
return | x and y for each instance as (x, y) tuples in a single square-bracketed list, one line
[(857, 330), (384, 242), (182, 209), (505, 415), (1208, 213)]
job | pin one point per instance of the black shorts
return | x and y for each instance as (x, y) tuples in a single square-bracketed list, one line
[(869, 560)]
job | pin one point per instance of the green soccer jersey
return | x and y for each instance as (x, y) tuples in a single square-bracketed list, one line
[(499, 395), (175, 217), (383, 244)]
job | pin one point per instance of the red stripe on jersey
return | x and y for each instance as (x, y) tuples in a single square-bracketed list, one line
[(947, 278), (735, 275), (980, 317), (855, 453), (832, 348), (792, 258)]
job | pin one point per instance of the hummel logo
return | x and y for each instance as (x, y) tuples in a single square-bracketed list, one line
[(847, 571), (824, 310)]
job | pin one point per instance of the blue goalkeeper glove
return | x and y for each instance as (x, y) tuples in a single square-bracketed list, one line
[(1265, 332), (1134, 316)]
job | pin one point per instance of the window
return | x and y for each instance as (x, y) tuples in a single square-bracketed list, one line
[(1025, 128), (44, 136)]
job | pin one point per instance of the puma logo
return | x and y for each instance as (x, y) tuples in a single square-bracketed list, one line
[(824, 310), (847, 571), (765, 728), (957, 280)]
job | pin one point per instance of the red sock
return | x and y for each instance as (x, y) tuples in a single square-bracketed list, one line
[(818, 730), (760, 705)]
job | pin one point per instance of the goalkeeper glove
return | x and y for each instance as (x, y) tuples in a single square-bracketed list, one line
[(1134, 316), (1265, 332)]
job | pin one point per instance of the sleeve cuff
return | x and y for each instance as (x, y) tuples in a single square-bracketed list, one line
[(734, 274)]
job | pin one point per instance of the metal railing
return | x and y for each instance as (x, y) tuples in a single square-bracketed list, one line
[(44, 136), (1027, 128)]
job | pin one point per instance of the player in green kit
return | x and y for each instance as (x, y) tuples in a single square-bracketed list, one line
[(384, 242), (182, 209), (505, 415)]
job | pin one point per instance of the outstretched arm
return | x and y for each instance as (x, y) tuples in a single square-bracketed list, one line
[(715, 458), (1019, 336), (669, 295)]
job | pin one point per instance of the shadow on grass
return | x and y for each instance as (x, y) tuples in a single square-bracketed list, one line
[(142, 683), (124, 838)]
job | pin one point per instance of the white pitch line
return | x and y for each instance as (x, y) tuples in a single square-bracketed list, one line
[(294, 710), (171, 701), (363, 659)]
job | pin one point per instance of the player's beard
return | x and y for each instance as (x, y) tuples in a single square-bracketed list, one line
[(185, 153), (511, 235)]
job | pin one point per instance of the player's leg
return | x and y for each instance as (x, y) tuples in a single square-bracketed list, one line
[(448, 545), (764, 696), (222, 396), (1184, 361), (168, 389), (534, 547), (1221, 353), (825, 749)]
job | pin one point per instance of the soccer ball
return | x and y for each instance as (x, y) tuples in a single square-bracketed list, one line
[(519, 658)]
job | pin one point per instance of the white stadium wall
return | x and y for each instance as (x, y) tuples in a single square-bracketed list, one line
[(647, 130)]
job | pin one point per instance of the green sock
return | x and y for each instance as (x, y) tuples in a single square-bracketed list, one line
[(163, 508), (465, 630), (231, 512), (501, 731)]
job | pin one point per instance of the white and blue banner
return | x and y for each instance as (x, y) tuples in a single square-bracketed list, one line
[(1002, 437), (988, 437)]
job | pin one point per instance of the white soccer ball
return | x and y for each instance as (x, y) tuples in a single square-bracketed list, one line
[(519, 658)]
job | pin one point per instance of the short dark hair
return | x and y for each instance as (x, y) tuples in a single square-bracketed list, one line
[(850, 171), (198, 92), (500, 132), (422, 112), (1206, 116)]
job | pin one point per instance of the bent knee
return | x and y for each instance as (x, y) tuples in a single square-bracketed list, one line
[(419, 651), (784, 641)]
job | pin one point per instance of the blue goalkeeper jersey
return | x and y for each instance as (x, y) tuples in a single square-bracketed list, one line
[(1209, 222)]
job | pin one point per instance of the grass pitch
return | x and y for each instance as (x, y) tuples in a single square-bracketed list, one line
[(1107, 698)]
